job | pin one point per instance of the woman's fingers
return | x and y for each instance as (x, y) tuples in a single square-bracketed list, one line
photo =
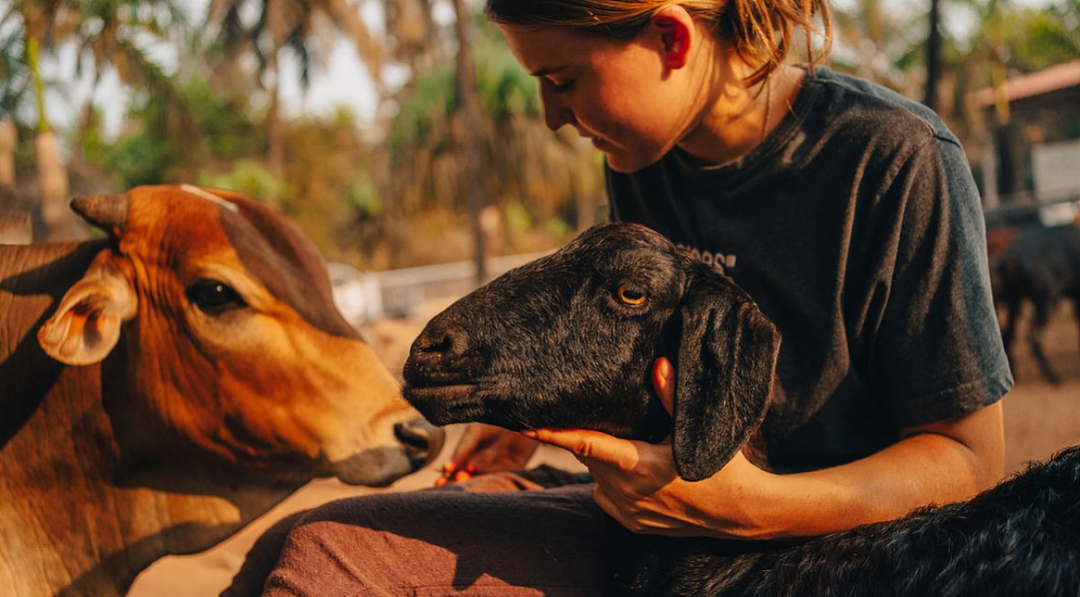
[(663, 378), (468, 445), (486, 449), (591, 445)]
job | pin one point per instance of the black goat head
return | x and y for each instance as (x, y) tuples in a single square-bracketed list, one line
[(568, 341)]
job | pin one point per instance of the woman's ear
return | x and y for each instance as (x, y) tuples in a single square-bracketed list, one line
[(724, 377), (673, 27)]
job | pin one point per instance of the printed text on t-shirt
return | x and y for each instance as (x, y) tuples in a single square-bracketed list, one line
[(718, 260)]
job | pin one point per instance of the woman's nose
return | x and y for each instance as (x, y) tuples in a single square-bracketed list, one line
[(555, 113)]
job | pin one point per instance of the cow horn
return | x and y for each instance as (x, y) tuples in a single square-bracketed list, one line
[(108, 212)]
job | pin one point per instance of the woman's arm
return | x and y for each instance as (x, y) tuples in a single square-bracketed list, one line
[(941, 462), (637, 484)]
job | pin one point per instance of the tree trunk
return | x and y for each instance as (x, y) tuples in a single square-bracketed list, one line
[(468, 106), (933, 56), (55, 191), (16, 228), (1006, 180), (9, 143), (51, 171), (275, 142)]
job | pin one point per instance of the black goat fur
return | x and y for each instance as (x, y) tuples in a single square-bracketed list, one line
[(1020, 538), (553, 344), (1041, 266)]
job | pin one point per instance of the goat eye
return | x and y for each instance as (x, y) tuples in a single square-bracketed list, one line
[(632, 296), (213, 297)]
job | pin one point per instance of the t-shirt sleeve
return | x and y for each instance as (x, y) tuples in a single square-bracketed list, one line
[(937, 353)]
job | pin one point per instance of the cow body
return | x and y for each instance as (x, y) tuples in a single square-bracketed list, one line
[(164, 386)]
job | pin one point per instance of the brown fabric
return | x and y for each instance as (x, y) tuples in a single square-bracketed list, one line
[(529, 534)]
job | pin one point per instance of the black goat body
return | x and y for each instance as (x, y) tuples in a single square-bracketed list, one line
[(1041, 266), (568, 340), (1018, 539)]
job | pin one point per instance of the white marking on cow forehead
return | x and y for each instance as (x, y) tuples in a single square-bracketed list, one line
[(209, 197)]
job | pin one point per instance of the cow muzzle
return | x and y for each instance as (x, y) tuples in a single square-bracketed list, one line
[(416, 444), (422, 441)]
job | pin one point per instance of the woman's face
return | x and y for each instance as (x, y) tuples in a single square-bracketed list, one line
[(626, 97)]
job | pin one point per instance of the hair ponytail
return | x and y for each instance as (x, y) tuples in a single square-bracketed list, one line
[(764, 30)]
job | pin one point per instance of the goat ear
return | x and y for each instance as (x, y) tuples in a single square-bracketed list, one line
[(724, 379), (86, 325)]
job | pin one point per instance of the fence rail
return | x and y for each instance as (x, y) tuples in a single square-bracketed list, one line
[(1025, 204), (399, 293)]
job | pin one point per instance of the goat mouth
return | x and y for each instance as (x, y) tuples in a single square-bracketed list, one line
[(428, 391), (445, 405)]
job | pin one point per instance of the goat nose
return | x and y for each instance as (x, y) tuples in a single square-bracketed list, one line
[(422, 441), (441, 343)]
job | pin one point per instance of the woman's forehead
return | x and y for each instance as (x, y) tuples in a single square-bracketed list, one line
[(549, 50)]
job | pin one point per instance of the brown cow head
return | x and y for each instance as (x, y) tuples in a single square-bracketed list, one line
[(222, 339)]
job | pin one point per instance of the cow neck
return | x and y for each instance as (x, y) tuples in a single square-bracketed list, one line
[(60, 458), (73, 487), (45, 461)]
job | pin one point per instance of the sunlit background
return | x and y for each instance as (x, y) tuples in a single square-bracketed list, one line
[(345, 114), (350, 117)]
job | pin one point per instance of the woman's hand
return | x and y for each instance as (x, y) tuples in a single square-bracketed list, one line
[(486, 449), (637, 484)]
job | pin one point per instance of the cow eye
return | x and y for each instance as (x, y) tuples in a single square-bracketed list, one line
[(214, 297), (634, 297)]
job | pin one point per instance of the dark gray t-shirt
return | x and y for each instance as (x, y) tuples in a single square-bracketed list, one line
[(857, 228)]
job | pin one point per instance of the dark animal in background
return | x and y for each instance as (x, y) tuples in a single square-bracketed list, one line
[(568, 340), (1041, 266)]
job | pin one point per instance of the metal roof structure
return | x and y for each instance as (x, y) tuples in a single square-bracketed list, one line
[(1052, 78)]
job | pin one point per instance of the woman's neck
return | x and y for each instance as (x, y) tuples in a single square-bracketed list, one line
[(736, 118)]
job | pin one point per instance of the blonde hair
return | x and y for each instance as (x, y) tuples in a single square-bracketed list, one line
[(762, 31)]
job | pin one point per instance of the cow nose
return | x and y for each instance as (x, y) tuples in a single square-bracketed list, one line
[(422, 441)]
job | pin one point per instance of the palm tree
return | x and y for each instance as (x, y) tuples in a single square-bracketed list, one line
[(933, 56), (107, 30), (104, 29), (13, 87), (875, 44), (40, 21), (292, 25), (412, 34), (468, 106), (9, 142), (532, 175)]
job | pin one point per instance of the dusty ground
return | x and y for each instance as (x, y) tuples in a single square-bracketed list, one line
[(1039, 420)]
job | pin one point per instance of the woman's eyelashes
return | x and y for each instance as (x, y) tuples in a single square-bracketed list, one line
[(560, 87)]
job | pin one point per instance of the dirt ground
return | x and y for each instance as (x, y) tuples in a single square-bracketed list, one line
[(1039, 420)]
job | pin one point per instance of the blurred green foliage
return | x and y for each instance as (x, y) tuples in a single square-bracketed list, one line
[(390, 194), (527, 168)]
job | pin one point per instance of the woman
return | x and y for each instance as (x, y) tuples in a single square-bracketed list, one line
[(846, 211)]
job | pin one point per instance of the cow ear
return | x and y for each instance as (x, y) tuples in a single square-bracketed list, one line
[(727, 363), (86, 326)]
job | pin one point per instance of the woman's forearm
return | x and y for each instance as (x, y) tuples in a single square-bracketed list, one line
[(933, 464)]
